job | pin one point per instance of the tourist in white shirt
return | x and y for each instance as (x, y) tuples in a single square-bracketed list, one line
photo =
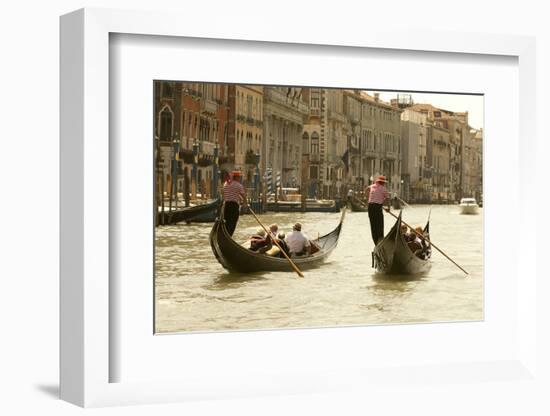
[(297, 242)]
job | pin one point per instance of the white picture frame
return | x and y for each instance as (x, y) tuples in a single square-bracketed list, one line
[(85, 216)]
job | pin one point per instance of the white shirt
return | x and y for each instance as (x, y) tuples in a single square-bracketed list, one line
[(297, 241)]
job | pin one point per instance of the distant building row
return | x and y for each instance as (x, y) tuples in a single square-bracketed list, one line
[(323, 140)]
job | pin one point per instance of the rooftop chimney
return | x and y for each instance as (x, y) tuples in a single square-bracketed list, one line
[(376, 97)]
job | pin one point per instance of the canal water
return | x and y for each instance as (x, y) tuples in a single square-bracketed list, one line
[(194, 293)]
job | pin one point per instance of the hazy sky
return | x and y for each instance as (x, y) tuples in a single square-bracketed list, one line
[(453, 102)]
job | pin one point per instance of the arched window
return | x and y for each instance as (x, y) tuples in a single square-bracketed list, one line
[(305, 143), (165, 124)]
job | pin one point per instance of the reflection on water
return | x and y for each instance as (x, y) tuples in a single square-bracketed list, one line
[(194, 293)]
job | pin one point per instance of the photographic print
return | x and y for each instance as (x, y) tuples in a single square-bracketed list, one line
[(280, 207)]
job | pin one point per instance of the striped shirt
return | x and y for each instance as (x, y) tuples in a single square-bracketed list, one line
[(233, 192), (377, 193)]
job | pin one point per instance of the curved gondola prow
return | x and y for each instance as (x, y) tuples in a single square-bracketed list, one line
[(333, 236)]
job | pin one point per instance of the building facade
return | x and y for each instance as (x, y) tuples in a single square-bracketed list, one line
[(284, 114), (191, 121), (381, 141), (415, 187), (245, 131), (322, 140)]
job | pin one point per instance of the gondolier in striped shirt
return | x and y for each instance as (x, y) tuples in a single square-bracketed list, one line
[(233, 196), (377, 196)]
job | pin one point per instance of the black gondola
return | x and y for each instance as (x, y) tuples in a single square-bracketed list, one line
[(355, 206), (198, 213), (392, 255), (234, 257)]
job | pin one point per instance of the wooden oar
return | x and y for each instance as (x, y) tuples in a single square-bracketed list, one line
[(429, 242), (296, 269), (403, 201)]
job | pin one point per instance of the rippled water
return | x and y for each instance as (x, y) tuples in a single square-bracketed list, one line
[(194, 292)]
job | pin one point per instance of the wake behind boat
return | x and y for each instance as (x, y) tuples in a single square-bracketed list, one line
[(392, 255), (234, 257)]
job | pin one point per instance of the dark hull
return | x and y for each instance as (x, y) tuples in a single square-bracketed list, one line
[(357, 207), (234, 257), (393, 256), (272, 206), (199, 213)]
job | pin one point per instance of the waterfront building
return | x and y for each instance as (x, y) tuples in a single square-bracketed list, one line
[(353, 112), (474, 154), (204, 119), (245, 131), (415, 186), (463, 156), (191, 120), (334, 170), (167, 105), (441, 164), (380, 137), (284, 114), (324, 142)]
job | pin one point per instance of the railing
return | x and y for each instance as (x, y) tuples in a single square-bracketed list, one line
[(280, 98), (206, 148), (314, 111), (314, 157), (336, 116)]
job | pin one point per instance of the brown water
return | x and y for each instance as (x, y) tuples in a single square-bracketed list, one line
[(194, 292)]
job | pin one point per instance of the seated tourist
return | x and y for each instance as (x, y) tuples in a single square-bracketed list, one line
[(407, 234), (283, 245), (297, 242), (424, 251), (273, 229), (259, 242), (413, 241)]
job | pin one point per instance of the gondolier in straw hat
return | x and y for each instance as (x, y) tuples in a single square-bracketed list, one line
[(377, 196), (233, 195)]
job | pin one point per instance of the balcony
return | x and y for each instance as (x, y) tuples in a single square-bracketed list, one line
[(241, 118), (336, 116), (206, 148), (314, 158), (250, 121), (279, 98), (209, 106), (314, 112)]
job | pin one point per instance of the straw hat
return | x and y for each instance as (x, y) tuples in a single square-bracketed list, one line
[(381, 178)]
